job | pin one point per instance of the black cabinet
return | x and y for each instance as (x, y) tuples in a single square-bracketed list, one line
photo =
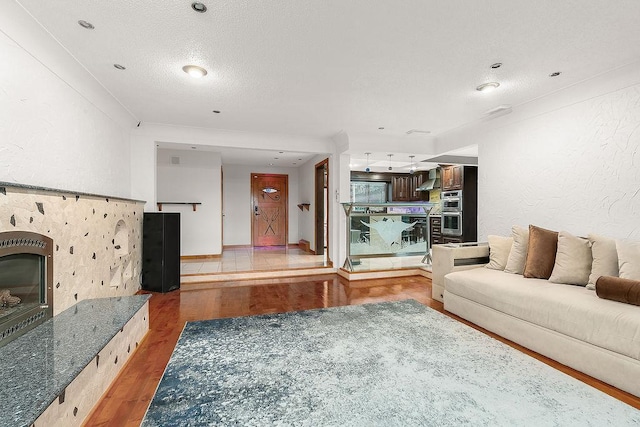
[(161, 252)]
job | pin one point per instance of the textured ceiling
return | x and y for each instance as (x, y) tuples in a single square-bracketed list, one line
[(317, 67)]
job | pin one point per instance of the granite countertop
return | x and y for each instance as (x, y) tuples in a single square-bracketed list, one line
[(40, 364)]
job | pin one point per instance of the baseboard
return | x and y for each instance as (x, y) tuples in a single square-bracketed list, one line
[(192, 257)]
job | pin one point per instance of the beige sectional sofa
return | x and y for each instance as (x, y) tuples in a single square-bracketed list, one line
[(567, 323)]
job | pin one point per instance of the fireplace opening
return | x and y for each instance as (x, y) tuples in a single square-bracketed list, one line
[(26, 292)]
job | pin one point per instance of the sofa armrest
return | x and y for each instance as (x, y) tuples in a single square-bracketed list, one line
[(455, 257)]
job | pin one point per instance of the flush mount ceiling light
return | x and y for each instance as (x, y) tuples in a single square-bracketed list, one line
[(556, 74), (198, 7), (367, 169), (195, 71), (120, 67), (85, 24), (488, 87), (496, 65)]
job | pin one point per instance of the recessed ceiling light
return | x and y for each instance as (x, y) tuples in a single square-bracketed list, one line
[(270, 164), (85, 24), (294, 163), (198, 7), (488, 87), (496, 65), (299, 159), (276, 158), (556, 74), (281, 152), (381, 128), (194, 71), (193, 148), (120, 67), (216, 111)]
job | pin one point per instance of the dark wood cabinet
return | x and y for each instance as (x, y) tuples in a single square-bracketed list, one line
[(452, 177), (404, 188), (435, 230), (400, 188)]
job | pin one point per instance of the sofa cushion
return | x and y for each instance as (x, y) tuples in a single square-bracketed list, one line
[(618, 289), (570, 310), (518, 253), (573, 260), (541, 253), (499, 249), (628, 259), (605, 259)]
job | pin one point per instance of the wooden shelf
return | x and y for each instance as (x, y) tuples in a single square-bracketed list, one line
[(304, 206), (194, 204)]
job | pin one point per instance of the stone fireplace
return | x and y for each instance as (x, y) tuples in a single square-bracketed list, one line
[(26, 276)]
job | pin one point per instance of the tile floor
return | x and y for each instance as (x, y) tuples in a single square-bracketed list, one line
[(248, 259)]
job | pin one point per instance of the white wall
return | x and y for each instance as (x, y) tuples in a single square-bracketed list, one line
[(197, 178), (237, 202), (569, 161), (59, 127)]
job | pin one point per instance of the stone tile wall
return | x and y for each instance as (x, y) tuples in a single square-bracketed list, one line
[(97, 240)]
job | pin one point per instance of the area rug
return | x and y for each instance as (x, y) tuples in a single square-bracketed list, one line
[(388, 364)]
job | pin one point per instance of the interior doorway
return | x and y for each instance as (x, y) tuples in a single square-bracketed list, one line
[(269, 209), (322, 208)]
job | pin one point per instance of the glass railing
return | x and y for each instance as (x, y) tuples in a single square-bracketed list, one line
[(376, 230)]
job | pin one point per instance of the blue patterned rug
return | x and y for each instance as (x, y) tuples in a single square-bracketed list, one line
[(388, 364)]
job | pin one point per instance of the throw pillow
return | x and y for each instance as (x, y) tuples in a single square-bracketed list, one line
[(628, 259), (499, 249), (518, 254), (573, 260), (618, 289), (541, 253), (605, 259)]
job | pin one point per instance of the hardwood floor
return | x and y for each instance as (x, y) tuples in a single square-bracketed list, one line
[(126, 401)]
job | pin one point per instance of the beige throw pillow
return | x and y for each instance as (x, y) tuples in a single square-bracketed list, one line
[(541, 253), (605, 259), (573, 260), (518, 254), (628, 259), (499, 249)]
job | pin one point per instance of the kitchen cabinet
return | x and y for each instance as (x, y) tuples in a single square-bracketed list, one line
[(435, 230), (404, 188), (452, 177), (400, 188)]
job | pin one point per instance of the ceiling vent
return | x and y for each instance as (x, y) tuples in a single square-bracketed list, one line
[(409, 132), (175, 160), (498, 111)]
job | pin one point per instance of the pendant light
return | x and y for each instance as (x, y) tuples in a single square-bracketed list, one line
[(367, 169), (390, 168), (412, 168)]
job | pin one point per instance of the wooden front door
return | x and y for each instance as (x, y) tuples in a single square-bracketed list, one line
[(269, 209)]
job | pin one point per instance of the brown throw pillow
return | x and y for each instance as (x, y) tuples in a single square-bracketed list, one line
[(541, 253), (618, 289)]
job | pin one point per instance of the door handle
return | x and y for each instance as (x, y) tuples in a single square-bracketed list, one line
[(255, 210)]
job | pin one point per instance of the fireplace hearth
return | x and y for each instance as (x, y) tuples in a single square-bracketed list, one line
[(26, 275)]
